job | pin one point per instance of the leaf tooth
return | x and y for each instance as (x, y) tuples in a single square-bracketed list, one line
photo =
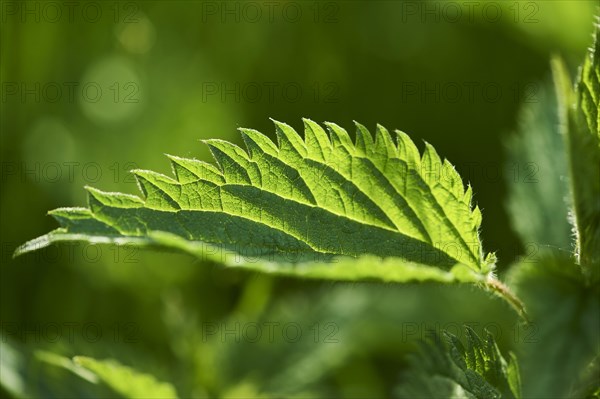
[(71, 213), (232, 160), (471, 357), (407, 150), (431, 165), (476, 217), (160, 191), (493, 358), (477, 349), (227, 147), (457, 349), (317, 141), (66, 216), (113, 199), (156, 178), (99, 201), (364, 139), (257, 143), (490, 260), (451, 179), (188, 170), (76, 220), (340, 138), (384, 145), (289, 139), (468, 196)]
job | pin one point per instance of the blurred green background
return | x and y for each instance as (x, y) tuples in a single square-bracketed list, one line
[(93, 89)]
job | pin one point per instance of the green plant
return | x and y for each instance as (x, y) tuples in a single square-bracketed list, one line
[(398, 216)]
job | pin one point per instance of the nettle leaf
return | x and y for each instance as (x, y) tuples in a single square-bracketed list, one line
[(321, 206), (588, 87), (563, 337), (450, 369), (538, 186), (580, 117), (122, 380)]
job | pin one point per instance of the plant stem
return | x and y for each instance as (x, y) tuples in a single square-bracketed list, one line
[(501, 289)]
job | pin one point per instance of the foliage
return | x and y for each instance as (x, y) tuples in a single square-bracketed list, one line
[(281, 202), (451, 369), (326, 207)]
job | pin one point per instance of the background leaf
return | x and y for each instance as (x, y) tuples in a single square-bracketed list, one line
[(539, 187), (583, 137), (453, 369), (563, 337), (122, 380)]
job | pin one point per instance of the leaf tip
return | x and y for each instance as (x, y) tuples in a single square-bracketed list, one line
[(33, 245), (92, 190), (280, 125)]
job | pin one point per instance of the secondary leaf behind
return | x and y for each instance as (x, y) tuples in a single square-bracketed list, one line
[(448, 368), (579, 112)]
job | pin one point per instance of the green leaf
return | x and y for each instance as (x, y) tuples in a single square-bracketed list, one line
[(450, 369), (366, 267), (588, 387), (12, 370), (26, 373), (319, 206), (125, 381), (588, 87), (563, 336), (579, 112), (539, 180)]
